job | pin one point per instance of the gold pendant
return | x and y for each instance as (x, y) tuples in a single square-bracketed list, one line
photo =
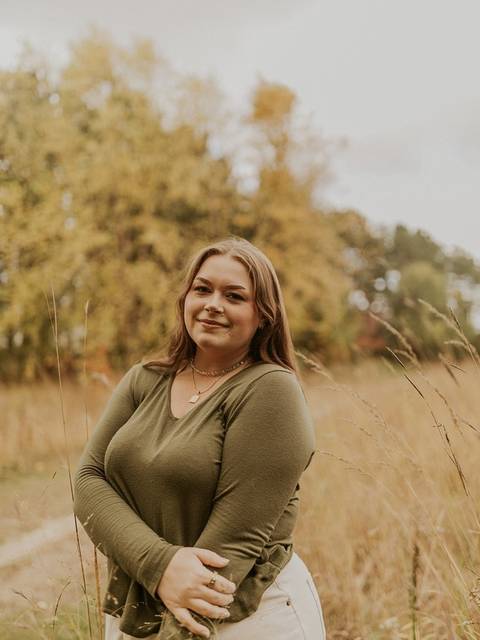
[(194, 398)]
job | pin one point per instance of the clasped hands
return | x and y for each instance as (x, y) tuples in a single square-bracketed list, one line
[(184, 586)]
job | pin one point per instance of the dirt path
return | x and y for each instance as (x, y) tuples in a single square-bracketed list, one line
[(50, 567), (38, 551), (29, 543)]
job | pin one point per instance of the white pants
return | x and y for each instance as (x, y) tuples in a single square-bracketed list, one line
[(289, 610)]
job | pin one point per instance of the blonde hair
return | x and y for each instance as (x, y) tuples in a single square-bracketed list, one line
[(271, 343)]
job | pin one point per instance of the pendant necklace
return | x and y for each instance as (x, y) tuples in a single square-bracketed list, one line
[(198, 393)]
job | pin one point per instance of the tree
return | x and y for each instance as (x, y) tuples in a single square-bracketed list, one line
[(295, 234)]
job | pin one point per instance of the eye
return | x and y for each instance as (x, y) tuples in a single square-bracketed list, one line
[(202, 288)]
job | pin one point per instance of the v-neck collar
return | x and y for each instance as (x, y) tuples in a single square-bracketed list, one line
[(199, 403)]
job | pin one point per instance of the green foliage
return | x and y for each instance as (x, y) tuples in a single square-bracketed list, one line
[(406, 246), (393, 270), (421, 280)]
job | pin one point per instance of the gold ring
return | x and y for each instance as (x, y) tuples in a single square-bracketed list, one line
[(212, 579)]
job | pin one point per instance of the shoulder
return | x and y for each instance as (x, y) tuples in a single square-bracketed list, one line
[(141, 380), (273, 377), (268, 388)]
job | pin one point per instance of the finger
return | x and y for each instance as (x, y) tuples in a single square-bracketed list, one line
[(206, 609), (221, 584), (210, 557), (215, 597), (186, 619)]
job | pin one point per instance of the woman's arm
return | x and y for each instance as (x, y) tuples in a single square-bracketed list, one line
[(269, 442), (112, 525)]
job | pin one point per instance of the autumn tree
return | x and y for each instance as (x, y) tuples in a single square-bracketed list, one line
[(285, 222), (100, 201)]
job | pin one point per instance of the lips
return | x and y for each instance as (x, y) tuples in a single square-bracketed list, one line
[(212, 323)]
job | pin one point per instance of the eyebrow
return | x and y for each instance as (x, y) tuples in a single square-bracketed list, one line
[(227, 286)]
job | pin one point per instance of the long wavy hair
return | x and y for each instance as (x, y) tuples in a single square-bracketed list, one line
[(271, 343)]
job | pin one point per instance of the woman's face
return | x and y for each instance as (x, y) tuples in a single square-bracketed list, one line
[(221, 291)]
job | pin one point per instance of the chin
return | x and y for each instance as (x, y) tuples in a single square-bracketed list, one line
[(208, 339)]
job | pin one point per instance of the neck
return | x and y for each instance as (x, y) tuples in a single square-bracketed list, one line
[(208, 362)]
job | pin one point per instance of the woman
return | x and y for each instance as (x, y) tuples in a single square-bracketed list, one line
[(189, 483)]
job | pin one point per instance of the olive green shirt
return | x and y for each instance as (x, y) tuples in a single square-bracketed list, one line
[(222, 477)]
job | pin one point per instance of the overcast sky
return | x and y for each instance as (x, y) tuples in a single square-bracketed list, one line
[(398, 79)]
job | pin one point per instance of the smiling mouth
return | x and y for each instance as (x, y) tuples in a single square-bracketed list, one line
[(211, 324)]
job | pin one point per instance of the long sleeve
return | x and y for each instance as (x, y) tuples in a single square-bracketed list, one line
[(112, 525), (268, 445), (269, 442)]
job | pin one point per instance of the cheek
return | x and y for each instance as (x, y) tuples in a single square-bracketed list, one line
[(248, 320), (189, 303), (189, 308)]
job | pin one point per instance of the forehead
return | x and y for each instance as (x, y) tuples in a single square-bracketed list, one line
[(224, 270)]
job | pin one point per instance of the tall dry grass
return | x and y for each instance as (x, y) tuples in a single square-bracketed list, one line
[(389, 523), (98, 631)]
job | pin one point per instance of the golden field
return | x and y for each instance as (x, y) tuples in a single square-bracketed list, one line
[(389, 523)]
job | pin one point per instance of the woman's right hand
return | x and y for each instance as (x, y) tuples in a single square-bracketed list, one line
[(184, 586)]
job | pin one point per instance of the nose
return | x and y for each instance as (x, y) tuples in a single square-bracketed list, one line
[(214, 303)]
